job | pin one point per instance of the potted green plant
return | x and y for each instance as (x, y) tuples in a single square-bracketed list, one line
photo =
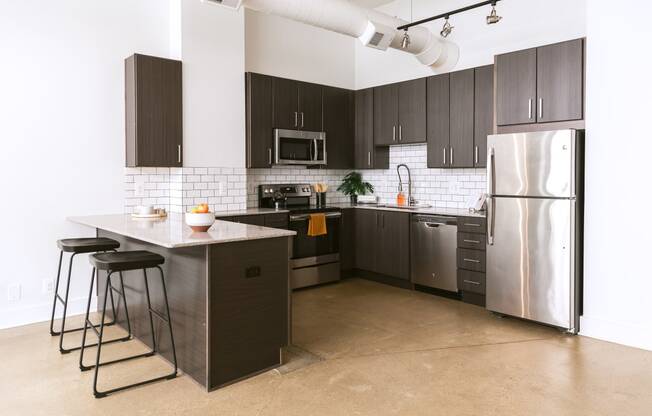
[(353, 185)]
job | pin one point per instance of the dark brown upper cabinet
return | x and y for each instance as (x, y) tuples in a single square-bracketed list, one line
[(400, 113), (483, 113), (412, 111), (516, 87), (339, 113), (366, 155), (259, 124), (297, 105), (438, 120), (154, 112), (560, 79), (541, 85), (385, 115), (462, 90)]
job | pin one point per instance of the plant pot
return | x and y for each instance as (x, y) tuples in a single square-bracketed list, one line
[(354, 199)]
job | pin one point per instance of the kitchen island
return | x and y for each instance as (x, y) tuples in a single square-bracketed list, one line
[(228, 290)]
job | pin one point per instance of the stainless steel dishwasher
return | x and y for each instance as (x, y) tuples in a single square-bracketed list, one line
[(434, 251)]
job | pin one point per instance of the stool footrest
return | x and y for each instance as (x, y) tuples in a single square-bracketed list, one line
[(100, 394), (119, 360), (122, 339)]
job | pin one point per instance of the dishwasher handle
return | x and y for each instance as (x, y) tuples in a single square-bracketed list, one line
[(433, 224)]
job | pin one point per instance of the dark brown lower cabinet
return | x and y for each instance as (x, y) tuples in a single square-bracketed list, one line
[(264, 220), (382, 241), (471, 259)]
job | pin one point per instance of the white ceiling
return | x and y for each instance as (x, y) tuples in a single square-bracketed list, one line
[(371, 3)]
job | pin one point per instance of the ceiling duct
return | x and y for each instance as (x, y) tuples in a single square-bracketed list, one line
[(374, 29)]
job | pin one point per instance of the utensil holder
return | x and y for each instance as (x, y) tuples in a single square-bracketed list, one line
[(321, 199)]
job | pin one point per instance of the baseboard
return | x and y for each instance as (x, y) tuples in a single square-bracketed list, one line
[(39, 313), (618, 332)]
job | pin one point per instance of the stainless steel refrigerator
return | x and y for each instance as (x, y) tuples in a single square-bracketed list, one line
[(534, 226)]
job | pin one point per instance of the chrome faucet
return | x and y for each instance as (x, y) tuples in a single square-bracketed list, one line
[(411, 200)]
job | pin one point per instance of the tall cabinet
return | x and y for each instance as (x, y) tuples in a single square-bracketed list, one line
[(459, 118), (154, 112)]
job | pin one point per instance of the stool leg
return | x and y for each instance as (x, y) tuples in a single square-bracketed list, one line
[(88, 310), (99, 341), (56, 293), (65, 307), (124, 302), (149, 309), (167, 311)]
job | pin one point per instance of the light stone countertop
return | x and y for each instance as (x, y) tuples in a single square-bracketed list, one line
[(453, 212), (172, 232)]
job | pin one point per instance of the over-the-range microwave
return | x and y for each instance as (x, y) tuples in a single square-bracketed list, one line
[(298, 147)]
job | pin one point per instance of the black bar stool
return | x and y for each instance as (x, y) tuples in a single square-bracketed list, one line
[(79, 246), (119, 262)]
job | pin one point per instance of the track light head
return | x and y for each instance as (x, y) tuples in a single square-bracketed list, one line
[(405, 43), (493, 17), (447, 29)]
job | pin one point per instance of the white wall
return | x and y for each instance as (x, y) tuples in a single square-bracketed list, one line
[(285, 48), (618, 279), (62, 130), (525, 24), (212, 44)]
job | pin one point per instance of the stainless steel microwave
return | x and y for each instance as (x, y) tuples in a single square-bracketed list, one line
[(298, 147)]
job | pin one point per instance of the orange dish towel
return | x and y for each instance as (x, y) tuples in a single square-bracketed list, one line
[(317, 225)]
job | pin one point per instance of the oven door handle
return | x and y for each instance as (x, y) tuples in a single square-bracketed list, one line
[(303, 217)]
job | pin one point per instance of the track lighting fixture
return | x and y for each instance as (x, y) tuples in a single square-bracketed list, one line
[(406, 40), (447, 29), (493, 17)]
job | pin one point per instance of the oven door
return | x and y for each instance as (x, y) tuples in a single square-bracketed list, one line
[(308, 250), (295, 147)]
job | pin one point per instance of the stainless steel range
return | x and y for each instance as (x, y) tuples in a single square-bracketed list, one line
[(314, 260)]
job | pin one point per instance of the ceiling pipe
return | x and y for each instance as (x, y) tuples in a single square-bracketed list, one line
[(373, 28)]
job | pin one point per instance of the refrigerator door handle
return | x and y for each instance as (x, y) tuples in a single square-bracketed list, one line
[(491, 186), (491, 221)]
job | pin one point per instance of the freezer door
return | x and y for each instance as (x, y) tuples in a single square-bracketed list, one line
[(530, 265), (540, 164)]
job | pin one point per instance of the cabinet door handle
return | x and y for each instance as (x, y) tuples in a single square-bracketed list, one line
[(472, 241), (400, 133), (444, 150), (472, 282), (472, 261), (368, 158), (393, 133), (476, 155), (302, 117), (269, 155), (469, 224), (540, 108), (452, 160), (529, 109), (179, 153), (296, 119)]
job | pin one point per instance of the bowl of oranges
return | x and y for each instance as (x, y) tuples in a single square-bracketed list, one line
[(200, 218)]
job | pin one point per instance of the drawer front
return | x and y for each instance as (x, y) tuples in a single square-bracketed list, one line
[(471, 225), (472, 241), (473, 260), (468, 281), (253, 220), (276, 221)]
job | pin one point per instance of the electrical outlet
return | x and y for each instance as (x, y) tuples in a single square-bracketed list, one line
[(14, 292), (139, 189), (47, 287)]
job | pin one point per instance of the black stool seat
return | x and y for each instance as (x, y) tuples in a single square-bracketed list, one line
[(126, 260), (87, 245)]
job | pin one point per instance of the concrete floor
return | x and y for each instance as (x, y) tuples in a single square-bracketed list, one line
[(362, 348)]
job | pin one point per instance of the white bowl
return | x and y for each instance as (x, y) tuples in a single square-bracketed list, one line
[(200, 221)]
